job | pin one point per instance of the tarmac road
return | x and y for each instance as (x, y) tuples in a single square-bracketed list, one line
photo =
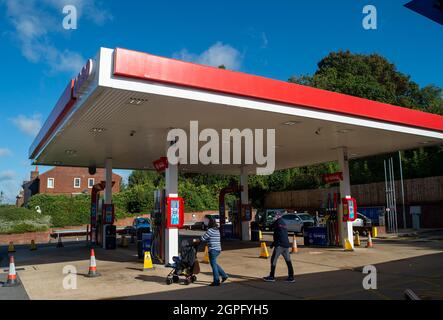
[(321, 273), (10, 293)]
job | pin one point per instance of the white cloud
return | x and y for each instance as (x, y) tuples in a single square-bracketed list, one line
[(7, 175), (218, 54), (35, 21), (5, 152), (28, 125), (265, 40)]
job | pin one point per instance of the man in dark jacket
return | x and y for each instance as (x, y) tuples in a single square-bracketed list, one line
[(281, 246)]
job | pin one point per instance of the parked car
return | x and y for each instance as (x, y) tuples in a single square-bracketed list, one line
[(362, 221), (265, 217), (293, 222), (208, 217), (307, 219), (141, 222)]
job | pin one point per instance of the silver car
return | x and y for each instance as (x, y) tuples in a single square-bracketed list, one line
[(293, 222), (308, 220)]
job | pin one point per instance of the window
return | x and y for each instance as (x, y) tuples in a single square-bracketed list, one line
[(91, 182), (77, 182), (51, 183)]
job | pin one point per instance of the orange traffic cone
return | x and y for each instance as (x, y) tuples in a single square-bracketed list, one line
[(12, 275), (33, 246), (369, 244), (294, 244), (264, 251), (93, 266), (11, 248)]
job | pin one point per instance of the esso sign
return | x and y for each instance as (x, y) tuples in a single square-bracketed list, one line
[(83, 79)]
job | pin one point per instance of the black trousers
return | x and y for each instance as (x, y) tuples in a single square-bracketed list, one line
[(274, 258)]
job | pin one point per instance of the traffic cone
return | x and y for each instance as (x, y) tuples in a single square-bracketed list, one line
[(357, 239), (93, 266), (264, 251), (294, 244), (369, 244), (147, 263), (348, 246), (11, 248), (12, 275), (33, 246), (206, 256), (124, 241), (59, 243)]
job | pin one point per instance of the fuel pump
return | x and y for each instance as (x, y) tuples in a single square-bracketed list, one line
[(158, 225), (102, 219), (233, 230), (109, 229)]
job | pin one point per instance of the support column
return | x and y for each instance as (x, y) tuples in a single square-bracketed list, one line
[(108, 193), (345, 229), (245, 225), (171, 235), (108, 179)]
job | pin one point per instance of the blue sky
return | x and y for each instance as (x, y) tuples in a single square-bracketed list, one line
[(275, 39)]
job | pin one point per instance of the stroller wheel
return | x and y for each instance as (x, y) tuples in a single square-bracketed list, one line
[(175, 279), (187, 281), (193, 279), (168, 281)]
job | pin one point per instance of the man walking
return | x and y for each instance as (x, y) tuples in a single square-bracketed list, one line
[(281, 246)]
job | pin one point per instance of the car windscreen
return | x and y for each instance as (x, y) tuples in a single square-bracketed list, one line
[(305, 217), (143, 221)]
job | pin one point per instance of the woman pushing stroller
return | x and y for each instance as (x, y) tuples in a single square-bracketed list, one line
[(212, 237)]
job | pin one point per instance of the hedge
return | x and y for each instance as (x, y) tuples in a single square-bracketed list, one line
[(71, 210), (75, 210), (19, 220)]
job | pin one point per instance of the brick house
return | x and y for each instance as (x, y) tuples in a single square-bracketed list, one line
[(64, 180)]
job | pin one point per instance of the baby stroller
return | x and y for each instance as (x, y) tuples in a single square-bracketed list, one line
[(186, 264)]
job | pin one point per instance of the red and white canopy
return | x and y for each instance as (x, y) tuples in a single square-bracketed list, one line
[(123, 103)]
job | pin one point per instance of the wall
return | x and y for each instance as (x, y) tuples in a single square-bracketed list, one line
[(426, 192), (44, 237)]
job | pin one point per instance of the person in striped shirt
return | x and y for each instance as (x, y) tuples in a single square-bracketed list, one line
[(212, 237)]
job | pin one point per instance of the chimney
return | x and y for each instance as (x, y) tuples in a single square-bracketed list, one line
[(34, 174)]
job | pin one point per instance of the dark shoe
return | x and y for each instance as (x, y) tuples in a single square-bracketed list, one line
[(215, 284), (224, 279), (269, 279), (290, 280)]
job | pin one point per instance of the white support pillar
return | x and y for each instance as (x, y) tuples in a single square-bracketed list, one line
[(346, 231), (108, 179), (171, 235), (245, 225)]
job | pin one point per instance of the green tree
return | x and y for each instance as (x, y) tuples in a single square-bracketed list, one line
[(374, 77)]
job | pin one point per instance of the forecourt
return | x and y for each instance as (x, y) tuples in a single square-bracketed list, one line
[(118, 111)]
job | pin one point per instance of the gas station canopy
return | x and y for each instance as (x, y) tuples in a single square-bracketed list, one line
[(123, 103)]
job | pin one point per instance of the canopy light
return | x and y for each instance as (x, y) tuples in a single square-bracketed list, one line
[(137, 101), (291, 123), (98, 130)]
